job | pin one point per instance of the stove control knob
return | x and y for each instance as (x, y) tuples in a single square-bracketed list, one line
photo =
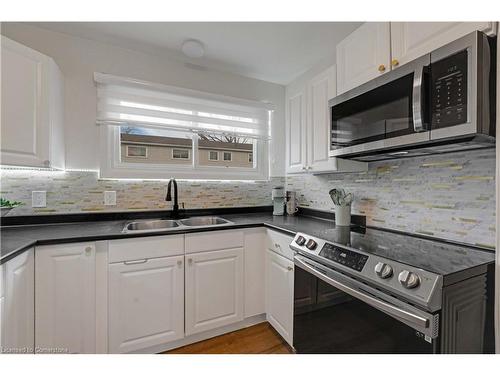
[(311, 244), (383, 270), (300, 241), (409, 279)]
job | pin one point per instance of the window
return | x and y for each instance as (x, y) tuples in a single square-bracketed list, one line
[(156, 131), (137, 151), (213, 155), (180, 153)]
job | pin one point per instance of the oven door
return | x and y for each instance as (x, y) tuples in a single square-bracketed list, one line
[(334, 313), (388, 112)]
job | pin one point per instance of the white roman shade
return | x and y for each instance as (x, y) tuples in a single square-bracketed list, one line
[(128, 102)]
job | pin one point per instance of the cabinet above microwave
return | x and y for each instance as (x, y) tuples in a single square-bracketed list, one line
[(441, 102)]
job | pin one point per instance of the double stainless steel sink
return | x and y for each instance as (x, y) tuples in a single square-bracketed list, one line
[(165, 224)]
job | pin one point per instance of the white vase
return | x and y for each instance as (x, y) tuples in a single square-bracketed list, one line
[(343, 215)]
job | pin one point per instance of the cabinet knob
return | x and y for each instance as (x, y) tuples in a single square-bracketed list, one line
[(304, 168), (394, 62), (88, 250), (381, 68), (179, 263), (190, 261), (289, 268)]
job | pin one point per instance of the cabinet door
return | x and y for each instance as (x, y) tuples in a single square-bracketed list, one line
[(146, 303), (296, 153), (18, 311), (320, 89), (363, 55), (214, 289), (410, 40), (25, 101), (65, 313), (279, 294)]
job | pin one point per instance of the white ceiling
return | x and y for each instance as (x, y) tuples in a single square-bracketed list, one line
[(273, 51)]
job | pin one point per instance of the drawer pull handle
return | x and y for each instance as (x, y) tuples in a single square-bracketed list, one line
[(140, 261)]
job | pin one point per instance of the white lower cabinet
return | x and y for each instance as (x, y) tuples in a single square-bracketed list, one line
[(17, 294), (146, 303), (214, 289), (279, 294), (65, 310)]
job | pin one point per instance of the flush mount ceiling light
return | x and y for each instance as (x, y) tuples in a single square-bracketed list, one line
[(193, 48)]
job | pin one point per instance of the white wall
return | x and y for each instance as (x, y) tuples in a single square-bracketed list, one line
[(79, 58)]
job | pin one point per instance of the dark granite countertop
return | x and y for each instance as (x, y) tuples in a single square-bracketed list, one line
[(435, 256)]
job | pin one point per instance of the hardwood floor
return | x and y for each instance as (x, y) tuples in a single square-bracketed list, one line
[(258, 339)]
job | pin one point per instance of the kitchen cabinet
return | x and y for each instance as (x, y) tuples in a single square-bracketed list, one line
[(410, 40), (65, 311), (146, 303), (32, 108), (213, 289), (308, 127), (296, 152), (279, 294), (363, 55), (378, 47), (254, 265), (17, 298)]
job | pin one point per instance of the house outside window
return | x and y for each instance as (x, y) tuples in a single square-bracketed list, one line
[(154, 131)]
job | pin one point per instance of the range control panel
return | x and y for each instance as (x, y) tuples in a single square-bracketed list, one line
[(345, 257), (449, 91)]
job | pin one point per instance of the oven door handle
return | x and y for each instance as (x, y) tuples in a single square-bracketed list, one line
[(418, 78), (388, 308)]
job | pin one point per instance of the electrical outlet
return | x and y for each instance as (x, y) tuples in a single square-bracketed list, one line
[(110, 198), (38, 199)]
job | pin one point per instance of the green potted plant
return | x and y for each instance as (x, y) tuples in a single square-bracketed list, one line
[(7, 205), (342, 202)]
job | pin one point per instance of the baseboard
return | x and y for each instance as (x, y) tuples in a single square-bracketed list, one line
[(248, 322)]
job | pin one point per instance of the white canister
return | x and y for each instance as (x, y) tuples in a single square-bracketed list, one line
[(343, 215)]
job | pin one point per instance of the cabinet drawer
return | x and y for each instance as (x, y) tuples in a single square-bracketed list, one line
[(279, 243), (145, 247), (217, 240)]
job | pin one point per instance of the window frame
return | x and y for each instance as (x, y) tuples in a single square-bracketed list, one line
[(181, 149), (224, 156), (136, 156), (113, 168), (210, 154)]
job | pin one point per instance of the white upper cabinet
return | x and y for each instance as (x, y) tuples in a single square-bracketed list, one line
[(410, 40), (146, 303), (214, 289), (32, 108), (65, 300), (365, 54), (296, 134), (308, 127), (17, 304)]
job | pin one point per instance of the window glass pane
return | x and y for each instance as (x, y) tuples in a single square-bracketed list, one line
[(217, 150), (154, 146)]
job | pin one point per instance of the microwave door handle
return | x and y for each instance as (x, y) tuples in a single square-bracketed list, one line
[(374, 302), (418, 78)]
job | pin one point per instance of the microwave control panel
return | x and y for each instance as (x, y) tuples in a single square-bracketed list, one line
[(449, 90)]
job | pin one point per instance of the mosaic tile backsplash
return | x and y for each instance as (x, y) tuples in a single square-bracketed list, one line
[(72, 192), (450, 196)]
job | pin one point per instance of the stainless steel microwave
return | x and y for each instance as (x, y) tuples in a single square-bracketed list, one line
[(441, 102)]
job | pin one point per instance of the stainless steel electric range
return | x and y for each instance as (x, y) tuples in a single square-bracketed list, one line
[(375, 291)]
